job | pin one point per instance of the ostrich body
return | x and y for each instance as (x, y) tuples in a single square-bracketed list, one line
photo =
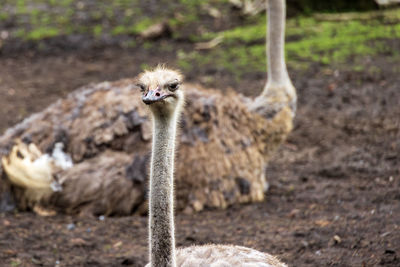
[(165, 99), (107, 134)]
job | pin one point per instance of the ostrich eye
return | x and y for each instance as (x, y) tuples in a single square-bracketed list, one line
[(141, 86), (173, 86)]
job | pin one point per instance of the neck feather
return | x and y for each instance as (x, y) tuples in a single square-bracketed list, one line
[(277, 72), (161, 219)]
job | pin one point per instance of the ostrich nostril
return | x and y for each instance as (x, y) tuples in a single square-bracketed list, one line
[(157, 94)]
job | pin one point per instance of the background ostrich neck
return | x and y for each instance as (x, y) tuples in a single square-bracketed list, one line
[(277, 72), (162, 240)]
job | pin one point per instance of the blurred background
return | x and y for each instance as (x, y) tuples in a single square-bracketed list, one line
[(334, 193), (216, 42)]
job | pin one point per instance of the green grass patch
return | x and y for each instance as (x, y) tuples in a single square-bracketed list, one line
[(4, 16), (338, 40), (42, 32), (329, 38), (141, 25)]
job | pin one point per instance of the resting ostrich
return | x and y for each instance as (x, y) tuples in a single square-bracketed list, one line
[(162, 93), (226, 139)]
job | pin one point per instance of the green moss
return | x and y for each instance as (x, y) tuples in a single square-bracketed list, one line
[(20, 33), (21, 7), (144, 66), (191, 3), (335, 42), (309, 40), (45, 19), (374, 70), (173, 22), (358, 68), (62, 20), (141, 25), (96, 14), (135, 29), (4, 16), (97, 30), (246, 34), (120, 29), (147, 45), (15, 262), (323, 38), (184, 65), (42, 32), (64, 3), (109, 12), (326, 42)]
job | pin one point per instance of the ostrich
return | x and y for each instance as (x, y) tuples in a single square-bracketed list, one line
[(102, 128), (163, 94)]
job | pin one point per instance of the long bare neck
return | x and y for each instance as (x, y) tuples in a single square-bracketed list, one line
[(279, 91), (277, 72), (161, 219)]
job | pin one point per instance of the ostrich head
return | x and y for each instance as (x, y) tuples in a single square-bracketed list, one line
[(161, 90)]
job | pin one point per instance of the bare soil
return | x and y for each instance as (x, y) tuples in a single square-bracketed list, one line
[(334, 197)]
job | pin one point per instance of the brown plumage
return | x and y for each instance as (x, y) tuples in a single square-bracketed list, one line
[(225, 138)]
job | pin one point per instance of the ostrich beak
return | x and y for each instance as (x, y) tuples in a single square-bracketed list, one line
[(153, 96)]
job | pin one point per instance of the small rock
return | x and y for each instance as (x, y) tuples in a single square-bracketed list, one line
[(294, 213), (337, 239), (71, 226), (118, 244), (332, 87), (210, 44), (156, 31), (45, 212), (78, 242), (188, 210), (4, 35), (372, 212), (197, 205), (305, 243), (80, 5), (385, 234), (212, 11), (10, 252), (322, 223)]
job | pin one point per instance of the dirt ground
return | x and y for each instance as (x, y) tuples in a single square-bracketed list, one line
[(334, 197)]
